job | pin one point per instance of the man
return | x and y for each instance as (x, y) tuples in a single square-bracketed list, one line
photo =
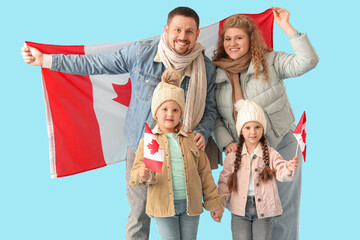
[(146, 61)]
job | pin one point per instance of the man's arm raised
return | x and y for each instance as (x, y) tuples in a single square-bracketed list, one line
[(32, 56)]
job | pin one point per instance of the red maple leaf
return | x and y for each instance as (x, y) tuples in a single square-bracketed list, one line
[(153, 146), (303, 135), (123, 93)]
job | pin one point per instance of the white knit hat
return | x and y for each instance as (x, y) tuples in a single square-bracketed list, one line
[(168, 89), (248, 111)]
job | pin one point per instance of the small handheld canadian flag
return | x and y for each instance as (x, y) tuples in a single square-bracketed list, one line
[(300, 134), (153, 152)]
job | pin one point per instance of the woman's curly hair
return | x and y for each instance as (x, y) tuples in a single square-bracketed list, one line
[(258, 47)]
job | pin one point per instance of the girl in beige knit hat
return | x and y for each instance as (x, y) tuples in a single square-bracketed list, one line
[(248, 177), (177, 195)]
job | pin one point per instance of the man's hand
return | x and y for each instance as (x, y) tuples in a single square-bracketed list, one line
[(32, 56), (199, 141)]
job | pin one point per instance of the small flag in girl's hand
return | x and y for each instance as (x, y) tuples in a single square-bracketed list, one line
[(300, 134), (153, 152)]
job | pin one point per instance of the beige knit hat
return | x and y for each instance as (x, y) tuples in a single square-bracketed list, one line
[(168, 89), (248, 111)]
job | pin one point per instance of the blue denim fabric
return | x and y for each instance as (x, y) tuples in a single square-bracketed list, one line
[(180, 226), (249, 227), (138, 222), (145, 74)]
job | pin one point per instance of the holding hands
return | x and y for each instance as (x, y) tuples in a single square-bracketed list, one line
[(292, 164), (217, 214)]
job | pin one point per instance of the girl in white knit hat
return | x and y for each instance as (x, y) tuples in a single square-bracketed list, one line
[(175, 196), (248, 177)]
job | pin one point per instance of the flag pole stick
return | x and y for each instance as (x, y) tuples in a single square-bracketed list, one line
[(297, 148)]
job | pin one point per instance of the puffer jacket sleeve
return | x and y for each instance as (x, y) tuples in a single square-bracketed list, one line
[(283, 174), (225, 174), (139, 160), (221, 134), (211, 197), (293, 65)]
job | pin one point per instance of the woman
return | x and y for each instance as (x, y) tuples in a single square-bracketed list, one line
[(248, 69)]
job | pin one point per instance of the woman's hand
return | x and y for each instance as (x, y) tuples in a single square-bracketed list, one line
[(230, 148), (282, 17), (292, 164)]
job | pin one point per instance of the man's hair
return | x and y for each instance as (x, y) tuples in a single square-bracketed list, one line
[(183, 11)]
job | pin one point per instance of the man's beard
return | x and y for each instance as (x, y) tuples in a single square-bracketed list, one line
[(182, 41)]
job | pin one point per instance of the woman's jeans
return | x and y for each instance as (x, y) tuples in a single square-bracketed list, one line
[(180, 226), (286, 226), (250, 227)]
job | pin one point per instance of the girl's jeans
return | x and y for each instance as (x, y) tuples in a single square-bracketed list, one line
[(250, 227), (180, 226)]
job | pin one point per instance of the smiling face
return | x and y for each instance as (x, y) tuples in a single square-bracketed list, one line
[(182, 33), (168, 116), (252, 132), (236, 43)]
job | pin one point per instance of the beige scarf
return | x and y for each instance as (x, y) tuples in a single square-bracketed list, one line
[(196, 94), (233, 68)]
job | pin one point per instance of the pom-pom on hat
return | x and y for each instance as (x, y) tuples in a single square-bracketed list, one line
[(248, 111), (168, 89)]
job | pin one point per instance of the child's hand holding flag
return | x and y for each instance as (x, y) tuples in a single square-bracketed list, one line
[(292, 164), (153, 152), (144, 172)]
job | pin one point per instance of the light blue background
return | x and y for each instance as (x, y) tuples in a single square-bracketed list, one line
[(93, 205)]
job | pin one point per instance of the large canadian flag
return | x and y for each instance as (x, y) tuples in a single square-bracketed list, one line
[(86, 114)]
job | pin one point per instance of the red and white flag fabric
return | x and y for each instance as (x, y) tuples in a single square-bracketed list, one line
[(300, 134), (153, 152), (86, 114)]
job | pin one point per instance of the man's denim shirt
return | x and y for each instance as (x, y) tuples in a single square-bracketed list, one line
[(145, 74)]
